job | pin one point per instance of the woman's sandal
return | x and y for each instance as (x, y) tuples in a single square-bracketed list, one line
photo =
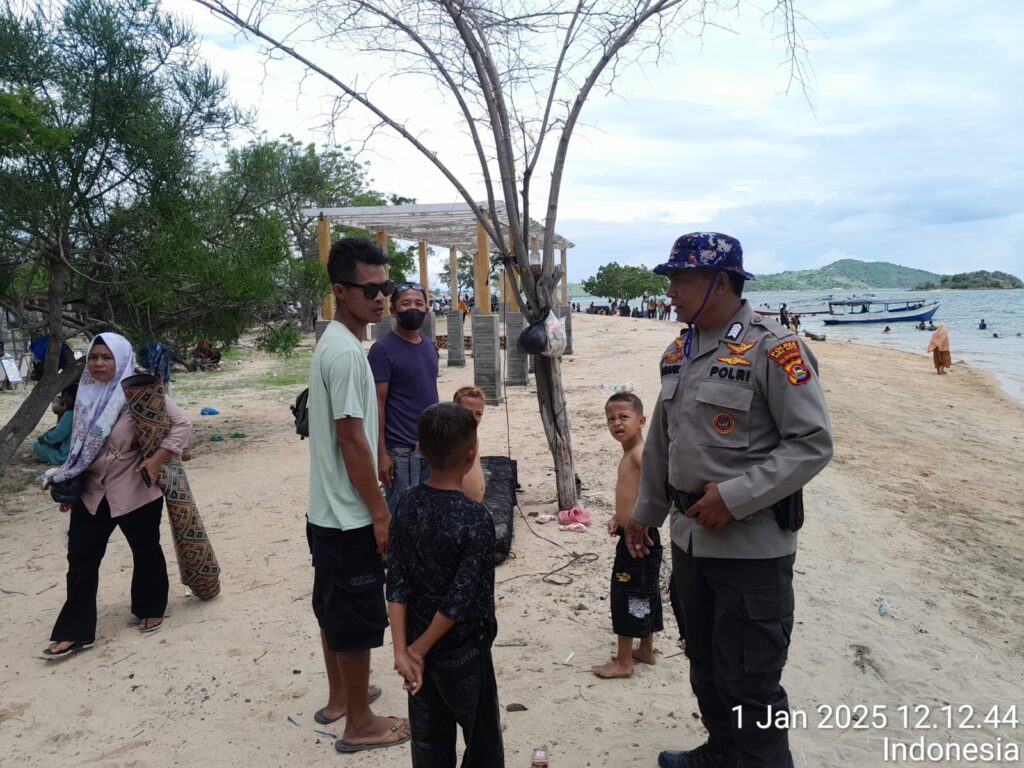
[(75, 647), (150, 625)]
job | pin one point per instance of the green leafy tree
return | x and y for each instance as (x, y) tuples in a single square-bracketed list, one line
[(23, 126), (284, 177), (115, 229), (404, 263), (616, 282), (464, 272), (981, 279), (640, 281), (221, 258), (606, 283)]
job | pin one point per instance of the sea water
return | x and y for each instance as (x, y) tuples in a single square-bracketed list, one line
[(999, 349)]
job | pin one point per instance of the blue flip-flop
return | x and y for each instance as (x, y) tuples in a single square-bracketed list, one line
[(323, 719)]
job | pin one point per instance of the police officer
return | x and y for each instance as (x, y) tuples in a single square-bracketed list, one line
[(739, 428)]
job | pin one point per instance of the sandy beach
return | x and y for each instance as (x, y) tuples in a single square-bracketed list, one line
[(922, 508)]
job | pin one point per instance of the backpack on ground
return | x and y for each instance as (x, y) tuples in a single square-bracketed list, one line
[(301, 413)]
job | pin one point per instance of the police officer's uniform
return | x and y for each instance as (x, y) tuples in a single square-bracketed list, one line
[(744, 410)]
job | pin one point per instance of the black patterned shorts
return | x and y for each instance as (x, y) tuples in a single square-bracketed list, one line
[(635, 591)]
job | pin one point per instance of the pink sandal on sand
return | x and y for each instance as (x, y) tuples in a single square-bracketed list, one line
[(574, 516)]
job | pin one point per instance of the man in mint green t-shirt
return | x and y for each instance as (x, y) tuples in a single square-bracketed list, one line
[(347, 521)]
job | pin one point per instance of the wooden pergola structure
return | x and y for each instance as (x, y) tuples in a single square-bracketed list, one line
[(446, 224)]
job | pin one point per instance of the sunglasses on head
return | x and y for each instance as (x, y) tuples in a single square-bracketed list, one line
[(410, 287), (370, 290)]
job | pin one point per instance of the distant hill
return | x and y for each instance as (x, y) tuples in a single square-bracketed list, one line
[(846, 274), (974, 280)]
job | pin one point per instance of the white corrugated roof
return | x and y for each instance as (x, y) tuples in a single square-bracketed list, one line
[(442, 224)]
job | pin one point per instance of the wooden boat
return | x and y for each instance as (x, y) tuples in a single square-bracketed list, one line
[(873, 310), (802, 307)]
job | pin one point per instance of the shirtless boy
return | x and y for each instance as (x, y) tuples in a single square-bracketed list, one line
[(473, 399), (635, 589)]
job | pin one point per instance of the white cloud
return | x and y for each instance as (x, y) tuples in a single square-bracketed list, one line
[(912, 152)]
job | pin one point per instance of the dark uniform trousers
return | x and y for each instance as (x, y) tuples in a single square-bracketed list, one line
[(739, 616), (458, 689)]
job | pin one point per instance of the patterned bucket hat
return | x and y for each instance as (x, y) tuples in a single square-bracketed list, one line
[(705, 250)]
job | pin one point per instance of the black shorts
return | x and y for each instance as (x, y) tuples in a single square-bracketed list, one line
[(636, 590), (348, 587)]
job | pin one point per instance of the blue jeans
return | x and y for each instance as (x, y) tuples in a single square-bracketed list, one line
[(410, 471)]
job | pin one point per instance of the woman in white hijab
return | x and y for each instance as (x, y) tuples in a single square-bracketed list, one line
[(117, 492)]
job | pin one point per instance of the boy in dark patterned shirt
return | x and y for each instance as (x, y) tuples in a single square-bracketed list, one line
[(440, 591)]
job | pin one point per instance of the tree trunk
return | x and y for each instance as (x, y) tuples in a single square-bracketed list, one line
[(310, 313), (35, 405), (32, 410), (554, 414)]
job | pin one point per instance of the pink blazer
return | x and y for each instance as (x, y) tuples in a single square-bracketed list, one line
[(112, 473)]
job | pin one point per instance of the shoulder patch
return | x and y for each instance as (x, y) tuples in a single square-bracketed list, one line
[(734, 331), (790, 357), (674, 353)]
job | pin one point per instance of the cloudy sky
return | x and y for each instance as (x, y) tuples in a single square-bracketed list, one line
[(907, 147)]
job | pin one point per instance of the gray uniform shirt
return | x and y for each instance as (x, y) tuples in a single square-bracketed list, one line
[(745, 410)]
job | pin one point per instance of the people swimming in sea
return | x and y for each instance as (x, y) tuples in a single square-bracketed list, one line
[(983, 326)]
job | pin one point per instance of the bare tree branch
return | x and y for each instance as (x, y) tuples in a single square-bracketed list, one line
[(517, 70)]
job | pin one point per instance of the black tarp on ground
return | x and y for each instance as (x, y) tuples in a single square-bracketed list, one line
[(500, 478)]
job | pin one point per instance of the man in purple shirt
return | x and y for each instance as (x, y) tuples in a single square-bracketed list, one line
[(404, 369)]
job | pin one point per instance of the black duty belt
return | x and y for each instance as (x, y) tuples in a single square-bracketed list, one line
[(789, 512), (682, 499)]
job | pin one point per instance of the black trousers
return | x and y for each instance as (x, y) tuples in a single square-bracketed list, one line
[(87, 543), (458, 689), (677, 605), (739, 616)]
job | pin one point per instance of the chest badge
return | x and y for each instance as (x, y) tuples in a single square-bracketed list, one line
[(739, 348), (723, 423), (734, 360)]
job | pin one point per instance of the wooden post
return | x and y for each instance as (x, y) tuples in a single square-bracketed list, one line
[(423, 269), (453, 274), (565, 282), (454, 324), (481, 270), (323, 237), (507, 293), (382, 241), (534, 251)]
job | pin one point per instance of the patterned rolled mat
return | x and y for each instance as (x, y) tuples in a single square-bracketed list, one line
[(197, 562)]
